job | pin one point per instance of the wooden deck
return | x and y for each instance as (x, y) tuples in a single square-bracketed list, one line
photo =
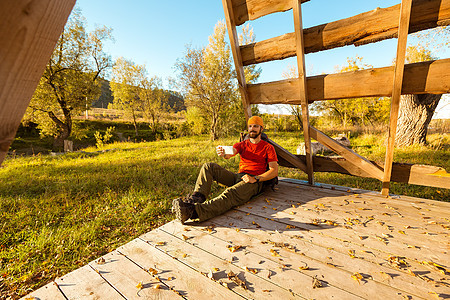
[(299, 242)]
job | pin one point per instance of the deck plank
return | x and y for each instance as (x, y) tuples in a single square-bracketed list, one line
[(183, 279), (203, 261), (49, 291), (318, 255), (125, 276), (85, 283), (251, 257)]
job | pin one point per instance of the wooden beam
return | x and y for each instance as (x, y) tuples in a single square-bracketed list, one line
[(352, 157), (29, 31), (430, 77), (401, 172), (290, 158), (246, 10), (376, 25), (234, 43), (403, 29), (298, 25)]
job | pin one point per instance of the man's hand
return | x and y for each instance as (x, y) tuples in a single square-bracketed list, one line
[(220, 151), (248, 179)]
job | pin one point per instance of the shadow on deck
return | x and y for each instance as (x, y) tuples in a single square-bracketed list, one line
[(297, 242)]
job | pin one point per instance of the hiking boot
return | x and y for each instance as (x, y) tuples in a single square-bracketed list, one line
[(195, 197), (183, 210)]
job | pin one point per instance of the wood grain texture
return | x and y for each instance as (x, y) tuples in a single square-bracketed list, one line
[(430, 77), (403, 28), (29, 31), (245, 10), (303, 95), (234, 44), (373, 26), (401, 172), (351, 156)]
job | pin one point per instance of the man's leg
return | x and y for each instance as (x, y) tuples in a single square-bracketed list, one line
[(233, 196), (212, 172)]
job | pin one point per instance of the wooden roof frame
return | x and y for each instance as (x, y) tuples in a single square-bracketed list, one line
[(396, 21)]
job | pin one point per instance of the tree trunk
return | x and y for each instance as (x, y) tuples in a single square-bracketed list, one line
[(214, 129), (415, 114)]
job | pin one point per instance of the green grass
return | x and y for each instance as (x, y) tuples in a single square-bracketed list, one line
[(60, 212)]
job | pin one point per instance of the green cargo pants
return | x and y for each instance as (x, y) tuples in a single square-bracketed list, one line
[(236, 193)]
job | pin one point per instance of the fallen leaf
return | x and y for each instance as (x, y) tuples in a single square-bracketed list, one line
[(385, 275), (184, 237), (233, 248), (293, 205), (237, 229), (356, 276), (266, 291), (304, 266), (152, 271), (157, 286), (316, 283), (215, 269), (351, 253), (251, 270), (401, 231), (160, 243), (171, 278), (140, 285), (101, 261), (290, 226), (274, 252), (269, 274), (233, 277), (184, 255)]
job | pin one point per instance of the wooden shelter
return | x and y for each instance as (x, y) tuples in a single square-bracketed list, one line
[(397, 21), (303, 241)]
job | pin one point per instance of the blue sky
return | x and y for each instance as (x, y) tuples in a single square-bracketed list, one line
[(155, 33)]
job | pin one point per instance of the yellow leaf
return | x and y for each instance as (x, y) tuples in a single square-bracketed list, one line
[(356, 276), (170, 278), (160, 243), (316, 283), (401, 231), (152, 271), (237, 229), (233, 248), (157, 286), (293, 205), (254, 271), (304, 266), (290, 226), (351, 253), (184, 255), (184, 237), (274, 252), (140, 285), (292, 212)]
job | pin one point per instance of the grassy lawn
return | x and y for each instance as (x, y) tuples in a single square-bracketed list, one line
[(60, 212)]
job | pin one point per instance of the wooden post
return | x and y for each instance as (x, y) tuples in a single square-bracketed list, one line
[(403, 29), (234, 42), (29, 31), (296, 6)]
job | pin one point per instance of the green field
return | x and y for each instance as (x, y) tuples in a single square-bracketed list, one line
[(60, 212)]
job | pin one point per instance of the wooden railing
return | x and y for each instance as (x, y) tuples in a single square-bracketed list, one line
[(431, 77)]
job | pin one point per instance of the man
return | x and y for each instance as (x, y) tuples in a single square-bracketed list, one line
[(258, 164)]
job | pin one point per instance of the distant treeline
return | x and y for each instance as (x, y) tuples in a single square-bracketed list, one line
[(175, 100)]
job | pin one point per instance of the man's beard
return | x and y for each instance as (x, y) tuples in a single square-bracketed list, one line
[(254, 134)]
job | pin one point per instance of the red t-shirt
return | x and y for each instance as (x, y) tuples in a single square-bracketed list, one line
[(255, 157)]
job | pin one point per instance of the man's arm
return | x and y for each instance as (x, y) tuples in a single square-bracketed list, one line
[(269, 174), (221, 152)]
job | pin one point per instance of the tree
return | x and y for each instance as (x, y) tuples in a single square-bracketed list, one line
[(123, 86), (355, 111), (71, 79), (135, 93), (207, 78), (415, 111)]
